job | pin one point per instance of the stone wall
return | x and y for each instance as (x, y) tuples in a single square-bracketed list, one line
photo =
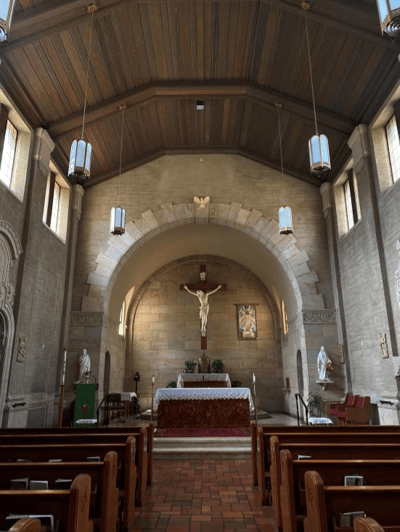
[(166, 330)]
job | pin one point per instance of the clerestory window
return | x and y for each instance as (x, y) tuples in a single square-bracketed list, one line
[(351, 200), (8, 154), (55, 212), (393, 142)]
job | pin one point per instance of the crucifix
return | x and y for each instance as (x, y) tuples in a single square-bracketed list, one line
[(203, 289)]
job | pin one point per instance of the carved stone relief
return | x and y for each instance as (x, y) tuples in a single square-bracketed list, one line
[(384, 346), (319, 316), (21, 349), (88, 319)]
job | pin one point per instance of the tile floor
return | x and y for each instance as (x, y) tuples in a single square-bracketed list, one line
[(203, 496)]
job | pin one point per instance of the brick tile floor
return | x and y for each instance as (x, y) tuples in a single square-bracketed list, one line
[(203, 496)]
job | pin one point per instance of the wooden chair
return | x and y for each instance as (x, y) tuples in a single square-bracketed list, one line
[(360, 413), (114, 406), (338, 410), (366, 524)]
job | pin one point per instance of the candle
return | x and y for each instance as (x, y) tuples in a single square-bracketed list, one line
[(152, 379), (254, 378), (64, 367)]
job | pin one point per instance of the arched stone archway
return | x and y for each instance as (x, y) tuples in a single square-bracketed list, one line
[(169, 216)]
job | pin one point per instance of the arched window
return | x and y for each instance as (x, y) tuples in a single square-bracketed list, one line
[(121, 328)]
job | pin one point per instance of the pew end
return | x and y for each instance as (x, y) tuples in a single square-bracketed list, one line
[(26, 524)]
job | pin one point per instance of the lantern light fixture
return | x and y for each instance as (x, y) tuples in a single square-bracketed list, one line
[(81, 151), (117, 218), (318, 146), (389, 16), (285, 212), (6, 13)]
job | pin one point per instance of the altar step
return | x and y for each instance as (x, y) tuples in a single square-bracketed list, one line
[(224, 448)]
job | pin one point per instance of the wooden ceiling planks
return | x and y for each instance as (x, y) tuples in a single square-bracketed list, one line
[(141, 44)]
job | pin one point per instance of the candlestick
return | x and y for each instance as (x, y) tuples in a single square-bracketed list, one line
[(254, 378), (64, 367), (152, 379)]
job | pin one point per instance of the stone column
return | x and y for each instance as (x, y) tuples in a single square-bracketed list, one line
[(327, 208)]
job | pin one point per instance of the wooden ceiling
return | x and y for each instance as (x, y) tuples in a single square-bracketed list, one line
[(160, 56)]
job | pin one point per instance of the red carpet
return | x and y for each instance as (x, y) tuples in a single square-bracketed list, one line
[(202, 433)]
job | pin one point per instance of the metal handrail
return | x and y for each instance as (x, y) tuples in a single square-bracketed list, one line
[(297, 395)]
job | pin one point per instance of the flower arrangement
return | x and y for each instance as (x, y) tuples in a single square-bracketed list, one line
[(329, 367), (172, 384), (217, 366), (190, 366), (314, 399), (236, 384)]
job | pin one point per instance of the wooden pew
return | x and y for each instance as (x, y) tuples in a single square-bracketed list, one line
[(332, 472), (26, 525), (366, 524), (314, 436), (78, 452), (103, 477), (334, 451), (270, 430), (69, 507), (325, 503), (98, 434)]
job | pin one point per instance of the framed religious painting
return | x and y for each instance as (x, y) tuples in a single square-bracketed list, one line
[(247, 321)]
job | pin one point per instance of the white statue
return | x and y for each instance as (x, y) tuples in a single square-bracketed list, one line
[(322, 361), (84, 369), (204, 305)]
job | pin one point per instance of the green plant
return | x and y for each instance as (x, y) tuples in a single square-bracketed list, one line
[(190, 366), (236, 384), (314, 399), (172, 384), (217, 366)]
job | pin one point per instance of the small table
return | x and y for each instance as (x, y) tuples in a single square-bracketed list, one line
[(204, 380)]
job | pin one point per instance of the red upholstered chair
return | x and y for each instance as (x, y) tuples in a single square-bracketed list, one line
[(359, 414), (338, 410)]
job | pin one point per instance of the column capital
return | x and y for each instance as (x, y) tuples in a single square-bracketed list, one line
[(359, 145), (43, 146), (326, 193), (77, 194)]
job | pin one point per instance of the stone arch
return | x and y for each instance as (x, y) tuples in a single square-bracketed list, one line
[(10, 249), (168, 216)]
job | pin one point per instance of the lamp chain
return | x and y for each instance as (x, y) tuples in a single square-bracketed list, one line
[(120, 150), (279, 106), (87, 74), (311, 76)]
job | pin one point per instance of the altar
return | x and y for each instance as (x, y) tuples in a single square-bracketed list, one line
[(203, 407), (203, 380)]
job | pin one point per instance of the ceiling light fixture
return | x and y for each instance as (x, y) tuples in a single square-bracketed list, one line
[(6, 13), (117, 219), (81, 151), (389, 16), (318, 146), (285, 213)]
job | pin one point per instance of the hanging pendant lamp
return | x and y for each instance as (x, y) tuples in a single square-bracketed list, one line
[(117, 219), (6, 13), (318, 145), (81, 151), (285, 212), (389, 16)]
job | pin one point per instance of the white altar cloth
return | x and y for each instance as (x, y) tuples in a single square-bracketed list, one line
[(182, 377), (170, 394)]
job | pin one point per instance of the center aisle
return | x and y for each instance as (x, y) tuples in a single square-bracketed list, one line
[(203, 496)]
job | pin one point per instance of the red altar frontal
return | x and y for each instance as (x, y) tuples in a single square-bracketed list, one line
[(203, 407)]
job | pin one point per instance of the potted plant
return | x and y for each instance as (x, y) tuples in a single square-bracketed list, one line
[(190, 366), (217, 366), (314, 402)]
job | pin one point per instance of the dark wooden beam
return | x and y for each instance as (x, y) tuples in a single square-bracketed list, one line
[(256, 93), (201, 150), (59, 15)]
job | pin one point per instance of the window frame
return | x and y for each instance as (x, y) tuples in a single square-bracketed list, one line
[(353, 197), (393, 151), (56, 184)]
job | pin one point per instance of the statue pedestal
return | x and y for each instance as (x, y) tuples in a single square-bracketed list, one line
[(324, 382)]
